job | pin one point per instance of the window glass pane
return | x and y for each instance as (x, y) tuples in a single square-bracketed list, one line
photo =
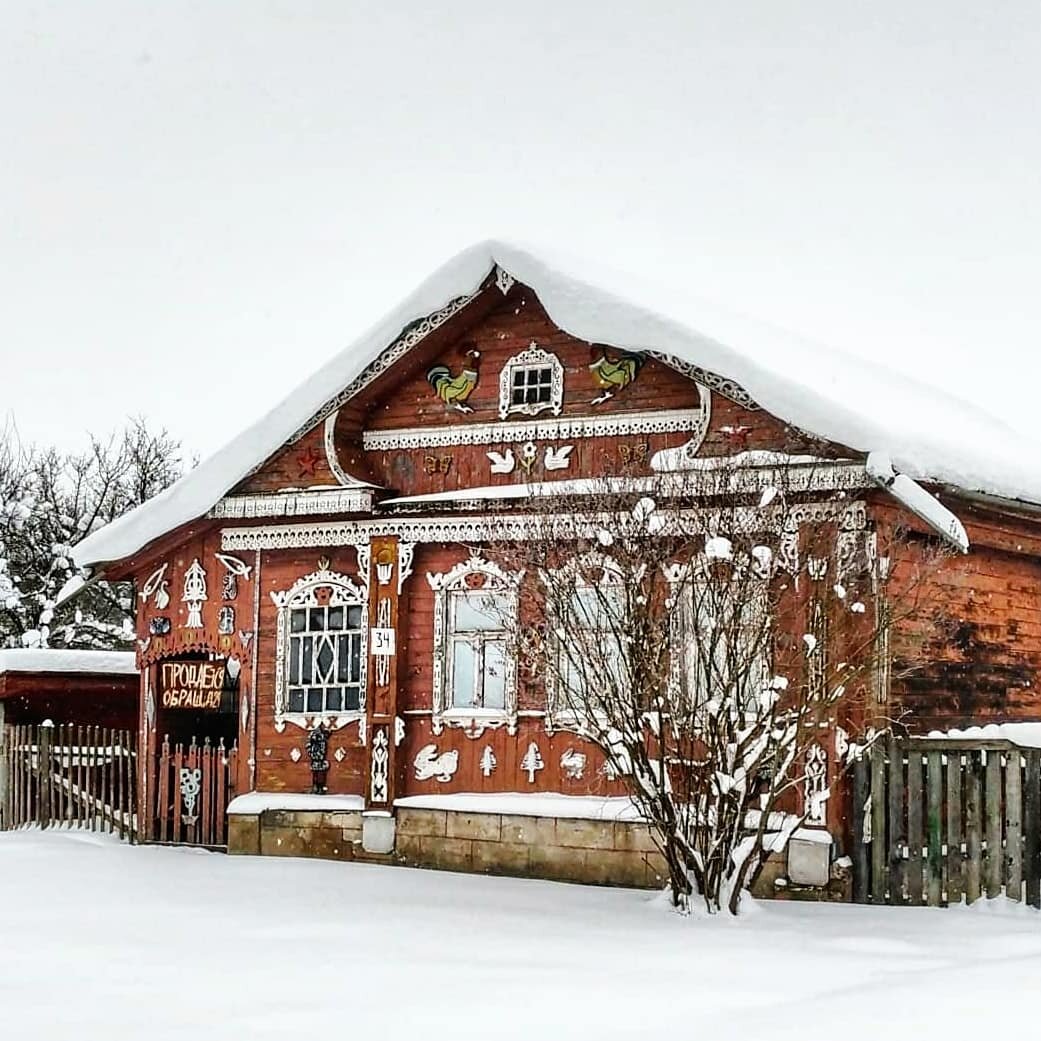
[(314, 699), (518, 377), (296, 699), (297, 621), (352, 699), (477, 610), (355, 657), (334, 699), (343, 664), (335, 618), (462, 675), (294, 660), (317, 619), (324, 660), (494, 675), (353, 617), (306, 668)]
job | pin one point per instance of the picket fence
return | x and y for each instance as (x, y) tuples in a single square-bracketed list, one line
[(69, 775), (945, 821)]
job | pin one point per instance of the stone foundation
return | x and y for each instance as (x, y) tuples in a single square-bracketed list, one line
[(596, 852), (617, 853)]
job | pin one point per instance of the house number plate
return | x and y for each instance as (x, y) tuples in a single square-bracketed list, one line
[(381, 642)]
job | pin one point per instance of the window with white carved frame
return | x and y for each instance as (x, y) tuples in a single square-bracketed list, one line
[(474, 672), (721, 637), (531, 382), (320, 649), (588, 640)]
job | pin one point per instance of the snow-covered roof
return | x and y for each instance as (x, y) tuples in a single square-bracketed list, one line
[(53, 659), (928, 434)]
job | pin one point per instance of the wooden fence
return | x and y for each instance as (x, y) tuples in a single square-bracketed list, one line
[(74, 776), (194, 786), (942, 821)]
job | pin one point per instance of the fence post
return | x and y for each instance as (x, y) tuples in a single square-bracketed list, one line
[(43, 772), (879, 864), (1014, 824), (1032, 821), (5, 791), (861, 789)]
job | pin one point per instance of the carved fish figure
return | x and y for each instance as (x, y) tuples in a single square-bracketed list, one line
[(454, 390), (615, 374)]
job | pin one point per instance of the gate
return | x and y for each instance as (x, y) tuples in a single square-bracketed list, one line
[(194, 785), (939, 821), (69, 775)]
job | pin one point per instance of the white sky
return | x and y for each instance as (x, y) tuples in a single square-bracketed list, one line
[(200, 202)]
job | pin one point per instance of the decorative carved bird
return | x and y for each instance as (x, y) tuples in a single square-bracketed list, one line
[(454, 390), (615, 374)]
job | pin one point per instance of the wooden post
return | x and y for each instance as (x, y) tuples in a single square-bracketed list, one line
[(954, 828), (879, 863), (5, 774), (1013, 824), (1032, 821), (992, 804), (973, 800), (45, 733), (915, 832), (897, 821), (934, 828), (861, 867)]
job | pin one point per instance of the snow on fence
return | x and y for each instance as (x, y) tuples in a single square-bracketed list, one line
[(74, 776), (941, 821)]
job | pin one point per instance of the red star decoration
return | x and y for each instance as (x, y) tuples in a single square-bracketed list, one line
[(307, 460)]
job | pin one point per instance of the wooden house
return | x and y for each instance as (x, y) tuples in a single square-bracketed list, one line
[(304, 575)]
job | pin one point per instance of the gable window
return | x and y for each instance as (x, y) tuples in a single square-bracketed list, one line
[(320, 650), (531, 382), (474, 673)]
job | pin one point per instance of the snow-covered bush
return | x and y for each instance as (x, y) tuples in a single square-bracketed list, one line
[(49, 500)]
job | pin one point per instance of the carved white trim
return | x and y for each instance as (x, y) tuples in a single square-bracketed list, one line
[(473, 722), (379, 774), (502, 462), (234, 565), (406, 557), (573, 764), (293, 504), (720, 384), (160, 585), (564, 428), (428, 764), (488, 761), (815, 785), (408, 339), (503, 279), (304, 593), (333, 459), (558, 458), (399, 730), (532, 762), (194, 594), (533, 357)]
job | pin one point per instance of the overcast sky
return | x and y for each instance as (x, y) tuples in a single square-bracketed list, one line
[(201, 202)]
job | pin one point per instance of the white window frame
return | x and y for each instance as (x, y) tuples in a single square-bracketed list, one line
[(532, 358), (682, 578), (558, 715), (302, 595), (446, 587)]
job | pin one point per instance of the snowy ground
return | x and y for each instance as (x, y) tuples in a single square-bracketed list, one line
[(99, 940)]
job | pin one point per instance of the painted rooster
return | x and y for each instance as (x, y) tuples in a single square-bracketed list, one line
[(615, 374), (454, 390)]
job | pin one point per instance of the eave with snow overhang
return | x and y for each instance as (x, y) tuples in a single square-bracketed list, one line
[(927, 435)]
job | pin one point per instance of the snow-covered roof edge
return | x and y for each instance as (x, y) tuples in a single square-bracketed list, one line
[(54, 659), (835, 396)]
